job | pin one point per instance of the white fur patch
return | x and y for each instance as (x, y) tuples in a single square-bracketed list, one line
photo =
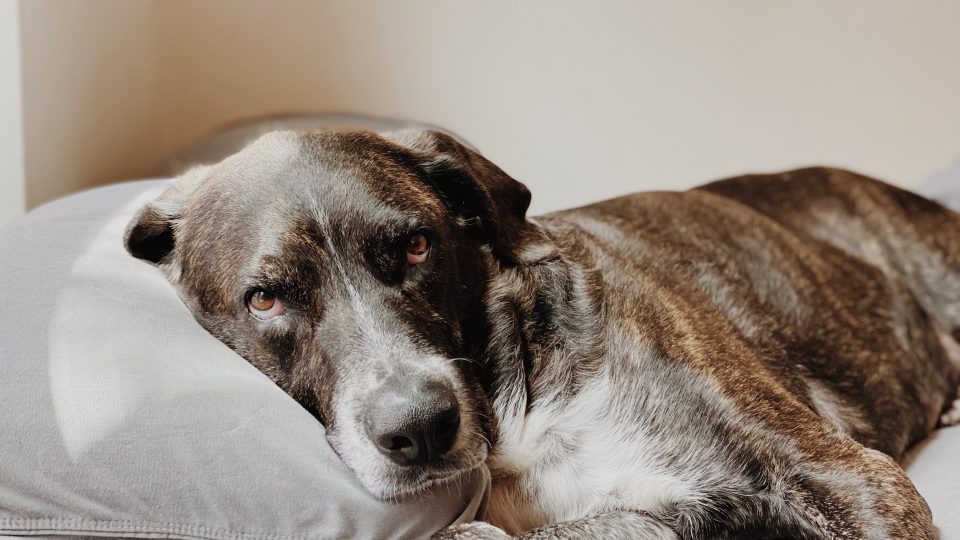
[(564, 482)]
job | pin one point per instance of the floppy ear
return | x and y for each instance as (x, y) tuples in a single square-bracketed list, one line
[(476, 189), (151, 234)]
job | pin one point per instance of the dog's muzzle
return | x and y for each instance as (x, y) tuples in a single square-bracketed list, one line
[(413, 426)]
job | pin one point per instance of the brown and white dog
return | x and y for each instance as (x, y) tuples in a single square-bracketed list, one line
[(746, 359)]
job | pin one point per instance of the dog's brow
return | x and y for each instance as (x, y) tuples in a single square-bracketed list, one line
[(269, 273)]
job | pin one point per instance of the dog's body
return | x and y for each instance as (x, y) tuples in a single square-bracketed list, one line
[(744, 350), (744, 359)]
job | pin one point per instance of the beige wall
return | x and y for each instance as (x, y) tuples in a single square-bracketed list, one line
[(12, 200), (91, 101), (581, 100)]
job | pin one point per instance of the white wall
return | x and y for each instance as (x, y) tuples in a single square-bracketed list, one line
[(12, 199), (581, 100)]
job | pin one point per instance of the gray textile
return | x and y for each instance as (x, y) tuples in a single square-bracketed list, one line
[(944, 186), (122, 417), (934, 468)]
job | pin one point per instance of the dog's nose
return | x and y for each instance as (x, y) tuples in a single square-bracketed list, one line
[(413, 427)]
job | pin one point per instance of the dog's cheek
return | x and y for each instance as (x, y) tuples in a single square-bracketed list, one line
[(308, 377), (425, 323), (285, 346)]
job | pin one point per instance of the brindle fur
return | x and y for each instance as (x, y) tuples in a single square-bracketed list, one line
[(745, 359)]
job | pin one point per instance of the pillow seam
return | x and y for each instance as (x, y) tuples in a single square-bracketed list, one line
[(185, 530)]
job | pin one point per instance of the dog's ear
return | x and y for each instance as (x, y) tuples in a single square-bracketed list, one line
[(151, 234), (478, 191)]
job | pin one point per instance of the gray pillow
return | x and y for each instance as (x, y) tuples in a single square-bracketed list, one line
[(944, 186), (122, 417), (932, 466)]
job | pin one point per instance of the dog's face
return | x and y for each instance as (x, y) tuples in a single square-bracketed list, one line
[(351, 268)]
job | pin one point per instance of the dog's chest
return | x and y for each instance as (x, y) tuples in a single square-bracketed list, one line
[(564, 462)]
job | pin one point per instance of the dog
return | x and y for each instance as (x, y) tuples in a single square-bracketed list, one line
[(747, 359)]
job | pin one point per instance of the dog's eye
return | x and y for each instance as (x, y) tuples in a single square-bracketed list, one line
[(418, 248), (264, 306)]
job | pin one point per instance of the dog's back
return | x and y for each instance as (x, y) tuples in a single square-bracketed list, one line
[(913, 241), (832, 278), (908, 237)]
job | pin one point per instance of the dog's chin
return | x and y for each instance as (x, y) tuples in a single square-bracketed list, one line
[(391, 482), (408, 485)]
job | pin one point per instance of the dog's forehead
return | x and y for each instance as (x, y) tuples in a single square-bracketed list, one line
[(304, 187), (338, 173), (256, 163)]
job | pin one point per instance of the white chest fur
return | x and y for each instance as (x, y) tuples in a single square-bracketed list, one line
[(559, 463)]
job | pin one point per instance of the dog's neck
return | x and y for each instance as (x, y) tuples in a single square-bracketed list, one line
[(546, 338)]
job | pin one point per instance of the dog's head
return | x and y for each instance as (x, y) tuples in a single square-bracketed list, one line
[(351, 268)]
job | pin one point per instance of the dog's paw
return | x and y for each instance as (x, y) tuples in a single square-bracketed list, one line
[(952, 416), (476, 530)]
